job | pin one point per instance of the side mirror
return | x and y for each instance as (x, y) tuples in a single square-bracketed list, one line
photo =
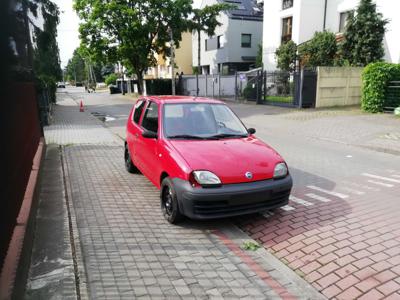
[(149, 134), (251, 130)]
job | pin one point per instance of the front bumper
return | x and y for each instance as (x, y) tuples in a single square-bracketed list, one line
[(231, 199)]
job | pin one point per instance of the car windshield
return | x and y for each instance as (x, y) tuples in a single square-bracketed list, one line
[(201, 121)]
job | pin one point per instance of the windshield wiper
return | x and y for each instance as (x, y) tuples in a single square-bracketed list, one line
[(191, 137), (228, 135)]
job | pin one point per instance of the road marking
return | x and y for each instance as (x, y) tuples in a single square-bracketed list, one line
[(339, 195), (300, 201), (381, 183), (287, 208), (353, 191), (317, 197), (381, 177), (361, 186)]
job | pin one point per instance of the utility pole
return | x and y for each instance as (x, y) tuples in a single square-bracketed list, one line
[(172, 62), (198, 63)]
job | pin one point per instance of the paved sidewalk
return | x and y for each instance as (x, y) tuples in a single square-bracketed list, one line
[(125, 249)]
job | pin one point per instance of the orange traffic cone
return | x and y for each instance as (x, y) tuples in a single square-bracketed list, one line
[(81, 109)]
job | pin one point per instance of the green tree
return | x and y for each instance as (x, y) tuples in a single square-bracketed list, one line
[(363, 36), (205, 20), (46, 58), (131, 31), (259, 62), (286, 55), (75, 69), (111, 79), (321, 50)]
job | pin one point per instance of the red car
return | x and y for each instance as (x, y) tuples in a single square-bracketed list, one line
[(203, 159)]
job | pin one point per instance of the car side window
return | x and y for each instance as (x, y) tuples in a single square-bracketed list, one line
[(138, 111), (150, 119)]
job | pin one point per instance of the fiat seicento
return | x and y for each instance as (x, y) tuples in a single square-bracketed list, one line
[(205, 162)]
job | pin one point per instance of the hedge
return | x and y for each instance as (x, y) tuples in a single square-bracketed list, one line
[(158, 86), (375, 79)]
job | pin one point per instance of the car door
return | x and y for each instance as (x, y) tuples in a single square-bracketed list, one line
[(147, 151), (134, 130)]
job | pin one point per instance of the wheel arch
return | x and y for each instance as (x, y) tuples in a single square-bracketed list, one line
[(162, 176)]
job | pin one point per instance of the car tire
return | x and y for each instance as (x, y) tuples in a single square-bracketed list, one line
[(169, 202), (129, 166)]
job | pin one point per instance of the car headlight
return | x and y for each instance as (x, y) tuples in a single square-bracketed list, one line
[(280, 170), (206, 178)]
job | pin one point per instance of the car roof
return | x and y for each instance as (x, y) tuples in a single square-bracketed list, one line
[(181, 99)]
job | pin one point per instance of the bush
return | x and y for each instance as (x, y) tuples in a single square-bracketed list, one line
[(250, 92), (375, 79), (320, 50), (111, 79), (286, 56)]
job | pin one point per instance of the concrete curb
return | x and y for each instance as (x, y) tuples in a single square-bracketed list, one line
[(17, 261)]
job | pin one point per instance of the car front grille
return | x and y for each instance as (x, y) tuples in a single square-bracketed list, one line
[(241, 203)]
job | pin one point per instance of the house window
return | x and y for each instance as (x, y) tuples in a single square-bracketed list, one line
[(246, 40), (287, 29), (205, 45), (343, 20), (220, 41), (287, 4)]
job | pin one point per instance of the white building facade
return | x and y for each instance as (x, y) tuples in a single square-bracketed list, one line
[(235, 43), (298, 20)]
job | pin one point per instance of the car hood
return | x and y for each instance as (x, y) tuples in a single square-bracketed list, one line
[(230, 159)]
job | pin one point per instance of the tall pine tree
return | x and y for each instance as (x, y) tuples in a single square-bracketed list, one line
[(364, 35)]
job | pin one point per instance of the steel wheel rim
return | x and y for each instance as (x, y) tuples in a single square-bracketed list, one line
[(167, 201)]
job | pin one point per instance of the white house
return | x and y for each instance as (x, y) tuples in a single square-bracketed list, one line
[(298, 20), (235, 43)]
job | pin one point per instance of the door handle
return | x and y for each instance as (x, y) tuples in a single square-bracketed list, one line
[(136, 134)]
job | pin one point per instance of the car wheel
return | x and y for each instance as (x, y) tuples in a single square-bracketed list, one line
[(169, 202), (129, 166)]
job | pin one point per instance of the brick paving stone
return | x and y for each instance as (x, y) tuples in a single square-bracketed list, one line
[(331, 291), (389, 288), (394, 296), (372, 295), (347, 282), (350, 293)]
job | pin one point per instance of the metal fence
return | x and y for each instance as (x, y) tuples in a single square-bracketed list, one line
[(392, 96), (295, 89)]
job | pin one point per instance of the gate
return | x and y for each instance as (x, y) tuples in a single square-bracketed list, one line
[(306, 94), (392, 96)]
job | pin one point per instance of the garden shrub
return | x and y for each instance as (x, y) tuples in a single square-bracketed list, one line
[(320, 50), (250, 92), (286, 56), (158, 86), (111, 79), (375, 79)]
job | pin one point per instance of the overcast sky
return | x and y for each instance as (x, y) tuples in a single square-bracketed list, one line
[(68, 36)]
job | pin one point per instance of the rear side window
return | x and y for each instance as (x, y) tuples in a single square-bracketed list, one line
[(138, 111)]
